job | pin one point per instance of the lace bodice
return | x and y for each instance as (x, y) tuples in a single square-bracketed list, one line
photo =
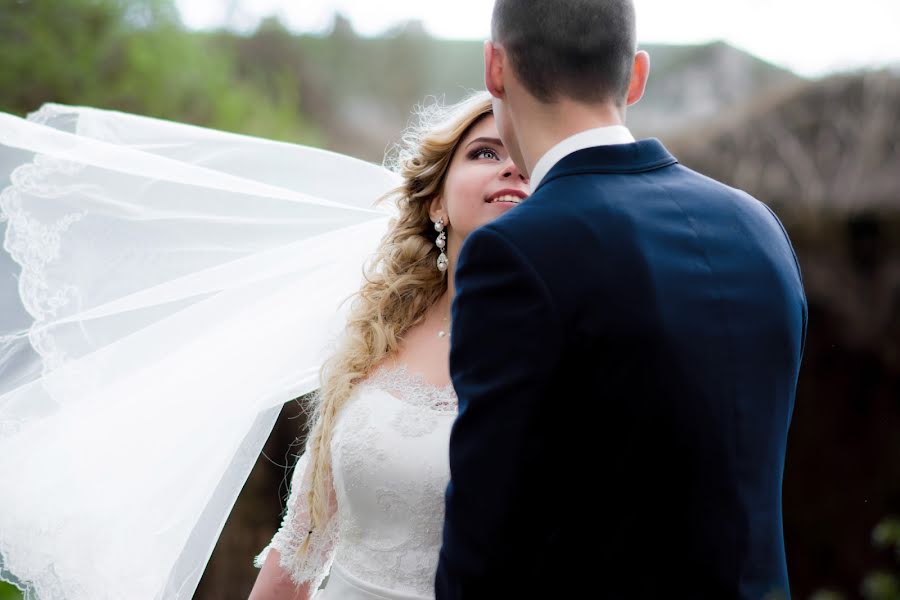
[(390, 467)]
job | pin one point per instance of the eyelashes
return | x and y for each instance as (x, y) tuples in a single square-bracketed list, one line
[(479, 152)]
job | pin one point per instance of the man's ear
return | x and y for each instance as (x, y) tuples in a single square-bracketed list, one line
[(494, 64), (640, 70)]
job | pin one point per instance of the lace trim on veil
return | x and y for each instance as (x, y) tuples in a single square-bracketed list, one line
[(34, 244)]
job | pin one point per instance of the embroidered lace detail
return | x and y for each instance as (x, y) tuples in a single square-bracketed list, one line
[(391, 468), (295, 527), (413, 388), (404, 557), (391, 471), (414, 421), (34, 244)]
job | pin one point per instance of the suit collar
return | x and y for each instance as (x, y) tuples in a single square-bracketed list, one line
[(637, 157), (599, 136)]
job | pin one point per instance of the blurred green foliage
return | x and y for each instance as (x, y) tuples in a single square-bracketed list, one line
[(9, 592), (134, 55)]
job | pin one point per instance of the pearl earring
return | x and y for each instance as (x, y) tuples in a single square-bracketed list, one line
[(441, 243)]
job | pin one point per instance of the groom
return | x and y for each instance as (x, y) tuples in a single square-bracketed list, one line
[(625, 346)]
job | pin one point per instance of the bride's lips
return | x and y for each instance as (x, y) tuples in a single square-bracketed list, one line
[(506, 196)]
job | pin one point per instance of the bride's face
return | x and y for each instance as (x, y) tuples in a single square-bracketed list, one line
[(482, 182)]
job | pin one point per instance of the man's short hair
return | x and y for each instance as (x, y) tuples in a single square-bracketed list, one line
[(580, 49)]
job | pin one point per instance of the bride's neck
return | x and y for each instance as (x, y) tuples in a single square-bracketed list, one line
[(445, 302)]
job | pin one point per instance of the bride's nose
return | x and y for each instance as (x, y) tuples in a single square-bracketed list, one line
[(510, 170)]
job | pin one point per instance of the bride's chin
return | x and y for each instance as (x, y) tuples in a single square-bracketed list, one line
[(500, 207)]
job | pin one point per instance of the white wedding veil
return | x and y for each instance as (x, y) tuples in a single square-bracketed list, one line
[(163, 291)]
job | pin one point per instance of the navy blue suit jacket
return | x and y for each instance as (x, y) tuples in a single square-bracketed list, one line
[(625, 348)]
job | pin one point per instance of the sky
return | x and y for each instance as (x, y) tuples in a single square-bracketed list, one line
[(812, 38)]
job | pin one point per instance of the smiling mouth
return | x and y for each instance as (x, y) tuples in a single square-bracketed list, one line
[(509, 199)]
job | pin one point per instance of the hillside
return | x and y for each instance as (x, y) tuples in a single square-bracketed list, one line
[(361, 91)]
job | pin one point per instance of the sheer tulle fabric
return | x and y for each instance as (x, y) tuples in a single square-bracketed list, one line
[(164, 290)]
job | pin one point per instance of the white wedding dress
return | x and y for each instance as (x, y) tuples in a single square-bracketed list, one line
[(390, 469)]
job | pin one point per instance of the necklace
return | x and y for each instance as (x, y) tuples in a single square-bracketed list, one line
[(445, 322), (443, 333)]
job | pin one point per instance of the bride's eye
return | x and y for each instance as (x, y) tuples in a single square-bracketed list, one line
[(484, 152)]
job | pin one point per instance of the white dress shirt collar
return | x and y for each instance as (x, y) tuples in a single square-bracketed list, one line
[(601, 136)]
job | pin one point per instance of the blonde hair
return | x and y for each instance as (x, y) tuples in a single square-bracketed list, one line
[(402, 281)]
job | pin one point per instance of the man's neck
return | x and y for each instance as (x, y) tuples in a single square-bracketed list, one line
[(546, 125)]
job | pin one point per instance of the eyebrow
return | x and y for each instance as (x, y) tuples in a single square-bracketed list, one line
[(490, 140)]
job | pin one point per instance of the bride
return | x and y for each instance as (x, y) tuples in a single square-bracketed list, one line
[(175, 286), (367, 495)]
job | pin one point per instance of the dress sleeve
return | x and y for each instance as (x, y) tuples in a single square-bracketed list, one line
[(295, 527)]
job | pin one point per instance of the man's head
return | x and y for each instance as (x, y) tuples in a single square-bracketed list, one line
[(581, 51)]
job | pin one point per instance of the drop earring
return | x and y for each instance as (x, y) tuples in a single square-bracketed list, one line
[(442, 262)]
